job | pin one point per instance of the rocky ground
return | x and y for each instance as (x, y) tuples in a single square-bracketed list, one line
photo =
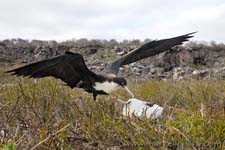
[(192, 60)]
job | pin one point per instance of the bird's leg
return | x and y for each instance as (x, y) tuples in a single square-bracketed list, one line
[(95, 95)]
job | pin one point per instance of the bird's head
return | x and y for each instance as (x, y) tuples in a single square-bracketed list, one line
[(122, 82)]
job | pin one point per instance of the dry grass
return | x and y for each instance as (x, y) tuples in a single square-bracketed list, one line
[(36, 113)]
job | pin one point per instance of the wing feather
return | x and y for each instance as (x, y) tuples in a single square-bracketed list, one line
[(69, 67), (149, 49)]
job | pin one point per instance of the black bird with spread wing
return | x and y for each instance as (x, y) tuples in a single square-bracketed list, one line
[(70, 67)]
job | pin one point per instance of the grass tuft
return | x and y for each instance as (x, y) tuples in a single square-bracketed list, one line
[(33, 111)]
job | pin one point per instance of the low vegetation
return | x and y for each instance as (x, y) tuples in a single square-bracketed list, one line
[(44, 114)]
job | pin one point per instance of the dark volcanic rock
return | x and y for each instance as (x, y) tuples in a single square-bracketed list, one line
[(180, 62)]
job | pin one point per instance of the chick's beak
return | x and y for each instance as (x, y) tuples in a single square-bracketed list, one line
[(127, 89)]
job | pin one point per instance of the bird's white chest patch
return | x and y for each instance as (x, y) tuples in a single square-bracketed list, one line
[(107, 87)]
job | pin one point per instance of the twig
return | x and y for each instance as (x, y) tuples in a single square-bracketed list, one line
[(181, 133), (3, 105), (202, 110), (49, 136), (171, 114), (121, 101), (16, 133)]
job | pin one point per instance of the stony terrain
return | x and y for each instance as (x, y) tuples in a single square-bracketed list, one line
[(193, 59)]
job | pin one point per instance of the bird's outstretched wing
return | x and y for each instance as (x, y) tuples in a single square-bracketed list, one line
[(149, 49), (69, 67)]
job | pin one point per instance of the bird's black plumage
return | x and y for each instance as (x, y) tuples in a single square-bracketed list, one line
[(70, 67), (149, 49)]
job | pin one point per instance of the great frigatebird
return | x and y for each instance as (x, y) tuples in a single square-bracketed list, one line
[(70, 67)]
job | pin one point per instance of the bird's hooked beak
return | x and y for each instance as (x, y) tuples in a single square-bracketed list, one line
[(127, 89)]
